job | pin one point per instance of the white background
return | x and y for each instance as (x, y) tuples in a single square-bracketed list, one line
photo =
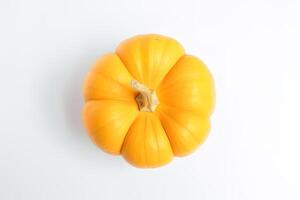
[(251, 47)]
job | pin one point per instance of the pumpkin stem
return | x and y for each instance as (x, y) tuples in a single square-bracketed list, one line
[(146, 99)]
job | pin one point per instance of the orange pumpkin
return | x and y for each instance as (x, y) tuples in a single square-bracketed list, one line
[(148, 101)]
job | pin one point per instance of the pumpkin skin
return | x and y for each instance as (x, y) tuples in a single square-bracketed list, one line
[(178, 124)]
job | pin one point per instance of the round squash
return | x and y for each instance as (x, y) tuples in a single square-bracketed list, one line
[(148, 101)]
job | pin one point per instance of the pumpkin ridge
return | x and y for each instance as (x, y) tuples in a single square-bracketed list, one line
[(172, 148), (139, 69), (140, 65), (121, 85), (162, 125), (113, 119), (127, 133), (160, 60), (168, 116), (181, 57), (145, 136), (97, 135), (157, 144), (183, 109), (180, 124), (187, 78), (150, 52), (200, 112), (115, 81)]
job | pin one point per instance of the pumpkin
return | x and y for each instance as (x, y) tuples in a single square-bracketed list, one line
[(148, 101)]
